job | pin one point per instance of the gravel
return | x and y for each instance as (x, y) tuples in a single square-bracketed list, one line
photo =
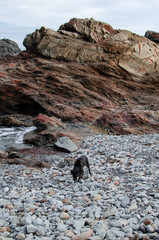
[(119, 201)]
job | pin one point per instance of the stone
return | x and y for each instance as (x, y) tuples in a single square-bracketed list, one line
[(2, 222), (31, 228), (62, 227), (148, 222), (8, 47), (110, 235), (125, 201), (150, 229), (43, 122), (16, 120), (53, 159), (26, 221), (10, 206), (133, 206), (108, 213), (101, 233), (3, 229), (118, 233), (94, 238), (83, 236), (64, 215), (20, 236), (65, 144), (3, 154), (40, 232), (97, 197), (78, 224), (69, 233)]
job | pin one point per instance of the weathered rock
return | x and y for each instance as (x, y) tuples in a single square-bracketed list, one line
[(8, 47), (43, 122), (16, 120), (20, 236), (64, 44), (47, 132), (87, 40), (65, 144), (15, 154), (3, 154), (109, 78), (154, 36), (88, 29), (124, 122), (83, 236), (16, 161)]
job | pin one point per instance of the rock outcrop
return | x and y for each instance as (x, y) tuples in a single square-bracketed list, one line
[(154, 36), (87, 40), (85, 72), (8, 47)]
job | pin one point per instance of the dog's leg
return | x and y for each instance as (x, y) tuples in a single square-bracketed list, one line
[(87, 164), (80, 174), (79, 177)]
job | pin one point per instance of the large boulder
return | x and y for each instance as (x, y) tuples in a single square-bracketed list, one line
[(87, 40), (48, 130), (65, 144), (8, 47)]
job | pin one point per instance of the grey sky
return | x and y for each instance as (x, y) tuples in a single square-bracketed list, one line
[(20, 17)]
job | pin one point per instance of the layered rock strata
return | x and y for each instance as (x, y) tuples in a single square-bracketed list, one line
[(85, 72)]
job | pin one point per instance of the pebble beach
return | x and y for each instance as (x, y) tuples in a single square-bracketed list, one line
[(119, 201)]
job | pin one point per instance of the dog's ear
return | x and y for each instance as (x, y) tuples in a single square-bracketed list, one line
[(72, 172)]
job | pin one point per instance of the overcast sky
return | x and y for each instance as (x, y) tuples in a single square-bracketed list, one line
[(21, 17)]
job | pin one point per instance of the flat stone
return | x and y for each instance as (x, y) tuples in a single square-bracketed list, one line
[(125, 201), (65, 144), (2, 222), (101, 233), (62, 227), (20, 236), (31, 228), (110, 235), (108, 213), (78, 224), (26, 220), (83, 236), (97, 197), (64, 215), (118, 233)]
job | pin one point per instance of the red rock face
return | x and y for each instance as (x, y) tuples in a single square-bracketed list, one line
[(79, 92), (118, 90)]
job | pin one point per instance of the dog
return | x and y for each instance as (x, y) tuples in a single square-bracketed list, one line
[(77, 171)]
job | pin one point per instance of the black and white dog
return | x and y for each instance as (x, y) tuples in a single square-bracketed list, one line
[(77, 171)]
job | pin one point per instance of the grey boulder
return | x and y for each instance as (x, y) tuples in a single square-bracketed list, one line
[(65, 144)]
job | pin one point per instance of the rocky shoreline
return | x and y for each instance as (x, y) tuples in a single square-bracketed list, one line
[(120, 200), (98, 87), (87, 72)]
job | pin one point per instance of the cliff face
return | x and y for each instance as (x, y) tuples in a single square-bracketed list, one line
[(86, 71)]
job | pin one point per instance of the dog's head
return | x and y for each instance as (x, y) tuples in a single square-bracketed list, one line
[(74, 174)]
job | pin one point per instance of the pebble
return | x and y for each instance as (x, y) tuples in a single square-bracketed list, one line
[(119, 201)]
